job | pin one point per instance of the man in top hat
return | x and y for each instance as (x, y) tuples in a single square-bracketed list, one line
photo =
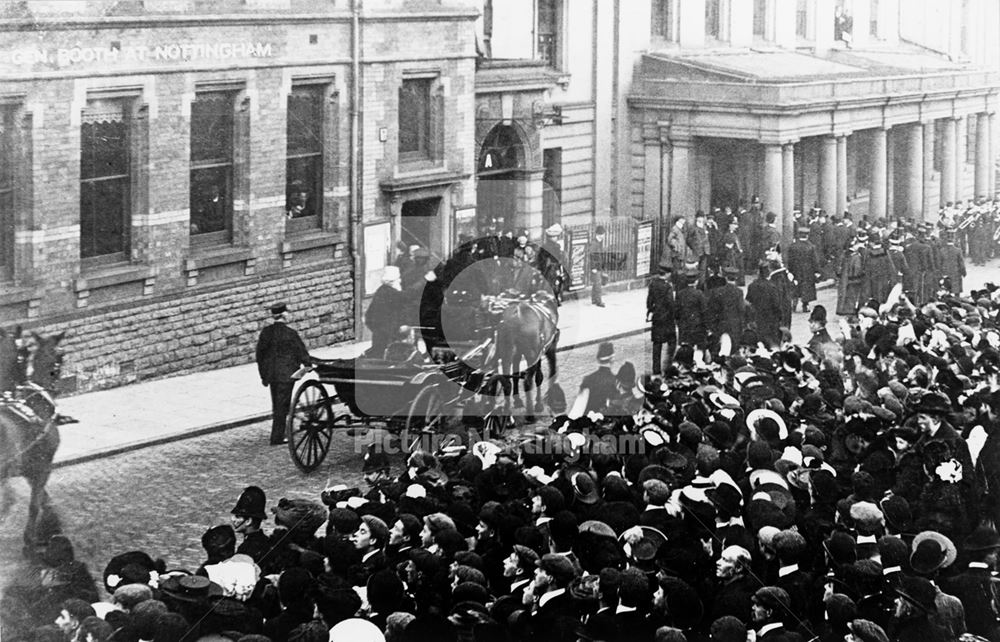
[(248, 513), (598, 257), (804, 266), (951, 261), (280, 352), (725, 311), (661, 313), (975, 586), (552, 263)]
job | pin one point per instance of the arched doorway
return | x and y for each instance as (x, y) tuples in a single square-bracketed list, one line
[(501, 159)]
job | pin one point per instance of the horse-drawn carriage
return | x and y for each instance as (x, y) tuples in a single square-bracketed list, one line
[(417, 394), (420, 391)]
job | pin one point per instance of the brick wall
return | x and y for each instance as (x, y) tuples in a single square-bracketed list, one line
[(212, 327)]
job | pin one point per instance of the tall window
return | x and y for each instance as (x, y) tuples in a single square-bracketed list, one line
[(304, 157), (105, 179), (971, 125), (548, 32), (6, 192), (415, 119), (873, 19), (760, 18), (802, 19), (552, 186), (713, 19), (211, 196), (663, 19)]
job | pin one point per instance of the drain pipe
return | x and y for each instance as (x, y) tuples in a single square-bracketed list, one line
[(355, 230)]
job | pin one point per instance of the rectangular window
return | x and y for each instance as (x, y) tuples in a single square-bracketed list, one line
[(802, 19), (760, 18), (663, 19), (6, 192), (713, 19), (304, 158), (105, 180), (211, 196), (548, 32), (873, 19), (415, 119), (551, 186)]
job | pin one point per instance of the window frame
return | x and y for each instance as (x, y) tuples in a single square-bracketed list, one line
[(224, 236), (320, 91), (129, 102), (8, 216), (664, 20), (552, 180), (553, 32), (423, 134)]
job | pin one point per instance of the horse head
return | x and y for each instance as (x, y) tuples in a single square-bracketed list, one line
[(47, 360)]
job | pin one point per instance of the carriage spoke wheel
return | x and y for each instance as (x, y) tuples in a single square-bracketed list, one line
[(310, 426), (426, 411)]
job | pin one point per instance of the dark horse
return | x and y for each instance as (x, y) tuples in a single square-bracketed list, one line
[(29, 435), (527, 330)]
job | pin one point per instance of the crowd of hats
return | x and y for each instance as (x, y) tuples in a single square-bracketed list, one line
[(843, 490)]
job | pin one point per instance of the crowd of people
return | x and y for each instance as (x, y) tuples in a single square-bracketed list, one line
[(749, 489)]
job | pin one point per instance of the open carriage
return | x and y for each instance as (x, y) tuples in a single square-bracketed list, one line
[(411, 392)]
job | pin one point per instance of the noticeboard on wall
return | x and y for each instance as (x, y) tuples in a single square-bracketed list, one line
[(643, 248), (465, 223), (578, 243), (378, 253)]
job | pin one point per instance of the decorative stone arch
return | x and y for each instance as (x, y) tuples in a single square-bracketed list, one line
[(509, 174)]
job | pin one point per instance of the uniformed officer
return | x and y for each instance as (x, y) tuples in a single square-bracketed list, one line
[(280, 352)]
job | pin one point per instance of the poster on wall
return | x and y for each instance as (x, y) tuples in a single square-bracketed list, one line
[(465, 224), (378, 248), (578, 244), (643, 248)]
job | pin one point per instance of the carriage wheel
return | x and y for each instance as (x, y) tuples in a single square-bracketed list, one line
[(310, 426), (426, 411)]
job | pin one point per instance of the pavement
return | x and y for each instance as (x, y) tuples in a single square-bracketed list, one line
[(164, 410)]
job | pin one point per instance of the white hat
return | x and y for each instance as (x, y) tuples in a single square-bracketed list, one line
[(554, 230), (390, 274)]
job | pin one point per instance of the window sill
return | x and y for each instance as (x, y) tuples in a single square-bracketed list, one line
[(310, 240), (203, 258), (106, 276), (16, 295)]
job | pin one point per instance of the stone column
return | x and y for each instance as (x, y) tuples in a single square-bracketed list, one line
[(928, 204), (680, 178), (771, 183), (652, 173), (841, 173), (983, 163), (914, 171), (949, 160), (992, 174), (890, 177), (828, 175), (877, 201), (788, 192)]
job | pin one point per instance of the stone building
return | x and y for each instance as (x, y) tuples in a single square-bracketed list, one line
[(169, 168)]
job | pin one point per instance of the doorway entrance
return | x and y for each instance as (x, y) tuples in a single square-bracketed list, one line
[(417, 220), (501, 156)]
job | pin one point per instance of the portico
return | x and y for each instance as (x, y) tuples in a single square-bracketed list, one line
[(851, 132)]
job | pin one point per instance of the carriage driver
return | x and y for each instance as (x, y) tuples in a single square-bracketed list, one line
[(280, 352), (385, 313)]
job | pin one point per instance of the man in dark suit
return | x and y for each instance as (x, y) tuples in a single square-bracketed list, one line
[(770, 606), (725, 310), (280, 352), (765, 305), (553, 602), (660, 312), (975, 586)]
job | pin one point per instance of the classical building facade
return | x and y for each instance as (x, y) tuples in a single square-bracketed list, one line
[(840, 104), (170, 168)]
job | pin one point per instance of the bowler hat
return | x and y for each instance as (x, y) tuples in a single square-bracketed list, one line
[(584, 488), (984, 538), (278, 308), (918, 591), (251, 504), (605, 352)]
